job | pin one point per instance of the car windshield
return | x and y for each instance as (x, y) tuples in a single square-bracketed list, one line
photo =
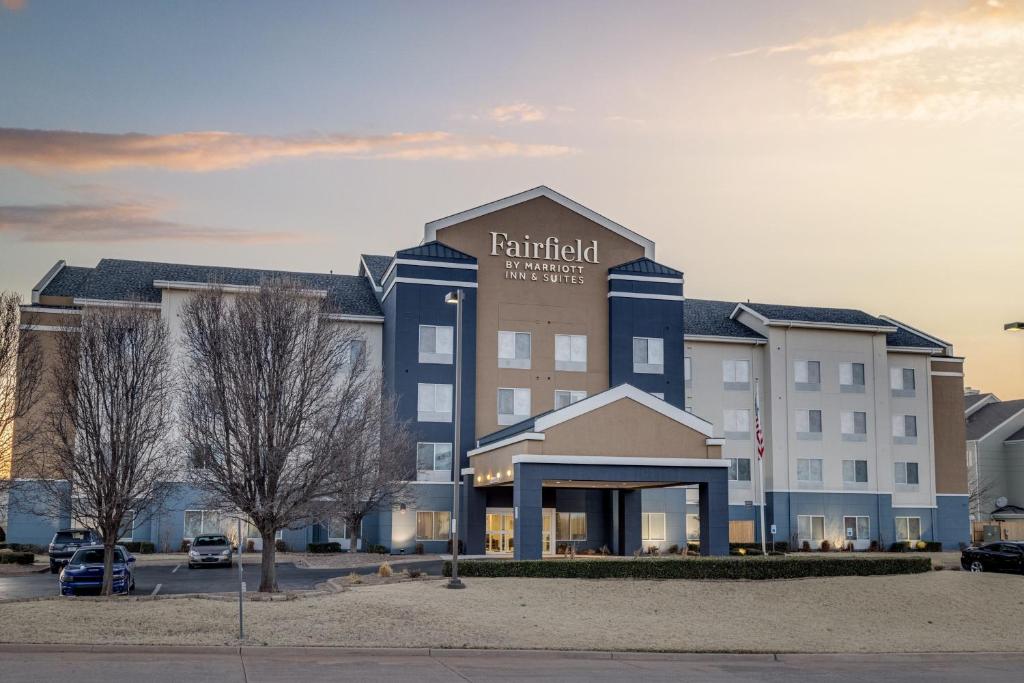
[(210, 540), (94, 556), (71, 536)]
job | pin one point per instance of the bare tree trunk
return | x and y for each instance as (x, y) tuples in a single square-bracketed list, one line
[(353, 537), (268, 566), (108, 563)]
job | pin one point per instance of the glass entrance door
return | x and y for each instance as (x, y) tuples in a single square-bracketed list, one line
[(500, 530)]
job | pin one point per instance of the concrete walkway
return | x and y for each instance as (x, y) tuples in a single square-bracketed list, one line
[(102, 664)]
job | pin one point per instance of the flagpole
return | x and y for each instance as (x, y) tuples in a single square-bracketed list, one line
[(760, 458)]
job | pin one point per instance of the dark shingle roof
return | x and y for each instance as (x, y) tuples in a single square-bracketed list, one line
[(67, 282), (711, 318), (119, 280), (904, 337), (377, 265), (1016, 436), (646, 266), (973, 399), (991, 416), (435, 249), (813, 314)]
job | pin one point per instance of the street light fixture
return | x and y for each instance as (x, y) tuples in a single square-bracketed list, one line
[(1016, 327), (456, 297)]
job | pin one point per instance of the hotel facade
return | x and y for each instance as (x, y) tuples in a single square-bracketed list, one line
[(600, 407)]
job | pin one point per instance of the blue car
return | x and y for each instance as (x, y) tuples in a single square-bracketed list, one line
[(83, 573)]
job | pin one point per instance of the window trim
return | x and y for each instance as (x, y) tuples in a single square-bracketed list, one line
[(738, 435), (855, 483), (735, 384), (648, 368), (810, 539), (856, 526), (896, 522), (514, 418), (572, 365), (433, 525), (435, 357), (570, 392), (572, 515), (434, 415), (515, 363), (645, 520), (808, 385), (811, 483)]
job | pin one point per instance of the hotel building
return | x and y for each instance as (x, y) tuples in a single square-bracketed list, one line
[(600, 407)]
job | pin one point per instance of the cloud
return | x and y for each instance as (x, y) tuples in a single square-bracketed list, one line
[(519, 112), (128, 221), (14, 5), (952, 66), (618, 118), (213, 150)]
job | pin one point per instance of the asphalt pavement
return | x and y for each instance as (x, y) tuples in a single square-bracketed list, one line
[(169, 579), (261, 665)]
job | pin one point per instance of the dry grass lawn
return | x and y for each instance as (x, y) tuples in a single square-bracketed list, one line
[(935, 612)]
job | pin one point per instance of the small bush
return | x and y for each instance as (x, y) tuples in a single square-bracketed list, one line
[(24, 548), (703, 568), (673, 549), (354, 578), (375, 549), (874, 546), (653, 551), (826, 546), (384, 570), (805, 547), (323, 548), (140, 547), (16, 557), (250, 546), (781, 546), (280, 546), (604, 550), (185, 545), (414, 573), (419, 549)]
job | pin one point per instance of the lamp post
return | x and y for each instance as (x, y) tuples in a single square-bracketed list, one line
[(456, 297), (1016, 327)]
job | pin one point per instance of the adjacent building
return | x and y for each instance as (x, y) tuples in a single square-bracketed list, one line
[(601, 408), (995, 461)]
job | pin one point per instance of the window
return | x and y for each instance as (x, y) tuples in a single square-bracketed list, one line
[(356, 351), (436, 344), (513, 406), (564, 397), (648, 356), (904, 429), (807, 375), (854, 425), (692, 527), (855, 471), (127, 526), (808, 425), (739, 469), (851, 378), (808, 470), (199, 522), (908, 528), (571, 352), (433, 461), (432, 526), (201, 457), (736, 374), (902, 381), (687, 370), (514, 350), (907, 474), (434, 403), (857, 528), (810, 528), (571, 526), (653, 526), (737, 424)]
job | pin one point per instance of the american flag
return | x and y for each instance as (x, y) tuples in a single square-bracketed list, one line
[(758, 432)]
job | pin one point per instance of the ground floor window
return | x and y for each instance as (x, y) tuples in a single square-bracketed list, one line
[(810, 528), (571, 526), (908, 528), (857, 528), (692, 527), (653, 526), (200, 522), (432, 525)]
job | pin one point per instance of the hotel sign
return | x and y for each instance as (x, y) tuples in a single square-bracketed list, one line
[(547, 260)]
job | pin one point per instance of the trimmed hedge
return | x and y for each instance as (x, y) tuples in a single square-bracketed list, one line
[(759, 568), (140, 547), (16, 557), (322, 548)]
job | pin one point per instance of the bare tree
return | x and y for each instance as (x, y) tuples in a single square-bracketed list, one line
[(266, 373), (21, 373), (979, 490), (109, 422)]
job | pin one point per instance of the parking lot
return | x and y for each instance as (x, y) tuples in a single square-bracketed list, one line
[(176, 578)]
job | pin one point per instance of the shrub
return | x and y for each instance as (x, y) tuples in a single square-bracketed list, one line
[(805, 547), (320, 548), (781, 546), (673, 549), (185, 545), (280, 546), (250, 546), (354, 578), (414, 573), (826, 546), (375, 549), (653, 550), (140, 547), (604, 550), (384, 570), (16, 557), (419, 549), (874, 546), (702, 568)]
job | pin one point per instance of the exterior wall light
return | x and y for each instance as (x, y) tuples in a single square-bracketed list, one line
[(402, 508)]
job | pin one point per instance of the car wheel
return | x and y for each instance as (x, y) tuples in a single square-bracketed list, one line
[(54, 568), (191, 566), (977, 566)]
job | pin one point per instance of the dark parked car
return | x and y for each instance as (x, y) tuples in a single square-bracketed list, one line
[(66, 542), (209, 549), (84, 571), (1001, 556)]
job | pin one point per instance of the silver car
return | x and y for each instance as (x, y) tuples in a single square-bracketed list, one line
[(213, 549)]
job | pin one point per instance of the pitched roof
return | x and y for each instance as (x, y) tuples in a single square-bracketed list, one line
[(67, 281), (645, 266), (377, 265), (436, 250), (1016, 436), (712, 318), (987, 418), (970, 400), (118, 280), (814, 314), (903, 337)]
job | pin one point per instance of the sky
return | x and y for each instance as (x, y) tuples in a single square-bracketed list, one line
[(863, 155)]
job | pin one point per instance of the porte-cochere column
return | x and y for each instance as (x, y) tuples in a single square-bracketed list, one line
[(529, 514)]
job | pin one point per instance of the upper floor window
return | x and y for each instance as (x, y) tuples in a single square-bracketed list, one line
[(514, 350), (807, 375), (902, 381), (356, 351), (571, 352), (855, 471), (904, 429), (851, 378), (687, 370), (566, 397), (808, 425), (907, 474), (737, 424), (433, 461), (854, 425), (648, 355), (808, 470), (434, 402), (513, 406), (436, 344), (739, 469), (736, 374)]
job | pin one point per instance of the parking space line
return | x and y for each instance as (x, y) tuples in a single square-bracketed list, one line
[(157, 589), (176, 568)]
